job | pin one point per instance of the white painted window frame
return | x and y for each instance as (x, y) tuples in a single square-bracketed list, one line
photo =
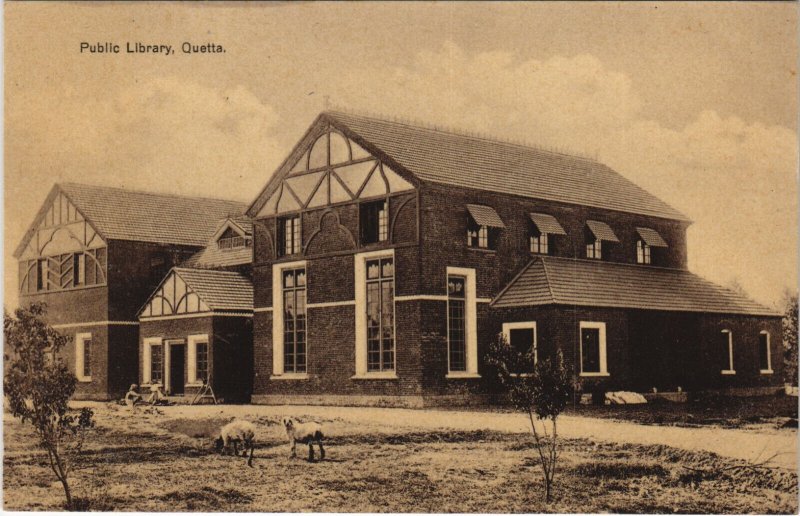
[(507, 327), (471, 316), (80, 339), (191, 342), (277, 321), (601, 326), (730, 370), (360, 277), (147, 360), (769, 352)]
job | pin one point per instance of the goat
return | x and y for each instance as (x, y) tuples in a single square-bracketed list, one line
[(234, 433), (306, 433)]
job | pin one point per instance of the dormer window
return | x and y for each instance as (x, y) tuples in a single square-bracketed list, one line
[(230, 239), (482, 227), (647, 245), (374, 218), (289, 235), (542, 227), (596, 233)]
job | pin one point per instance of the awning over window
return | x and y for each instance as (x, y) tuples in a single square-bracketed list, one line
[(602, 231), (651, 237), (485, 216), (547, 224)]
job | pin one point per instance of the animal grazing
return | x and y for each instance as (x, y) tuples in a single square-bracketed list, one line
[(235, 433), (306, 433)]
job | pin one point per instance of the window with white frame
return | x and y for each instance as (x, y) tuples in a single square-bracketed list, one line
[(593, 349), (539, 243), (462, 314), (764, 353), (457, 323), (199, 367), (294, 320), (380, 314), (289, 343), (477, 235), (156, 364), (521, 336), (726, 351), (289, 235), (374, 221), (83, 357), (642, 252), (594, 248)]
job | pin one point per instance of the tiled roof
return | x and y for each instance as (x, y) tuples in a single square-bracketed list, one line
[(566, 281), (485, 216), (602, 231), (212, 257), (467, 161), (547, 224), (220, 290), (148, 217), (651, 237)]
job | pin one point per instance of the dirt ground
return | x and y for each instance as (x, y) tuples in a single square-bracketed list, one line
[(388, 462)]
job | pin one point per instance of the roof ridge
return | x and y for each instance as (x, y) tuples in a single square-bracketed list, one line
[(622, 264), (146, 192), (547, 279), (512, 281), (453, 131)]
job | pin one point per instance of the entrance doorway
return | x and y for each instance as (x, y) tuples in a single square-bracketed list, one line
[(176, 368)]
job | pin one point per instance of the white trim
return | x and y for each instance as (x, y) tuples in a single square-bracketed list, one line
[(422, 297), (196, 315), (262, 309), (376, 375), (352, 302), (601, 326), (461, 375), (147, 359), (730, 370), (471, 319), (507, 327), (95, 323), (191, 342), (483, 299), (360, 278), (768, 370), (277, 313), (80, 341), (290, 376)]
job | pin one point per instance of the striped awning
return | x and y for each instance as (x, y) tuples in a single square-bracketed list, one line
[(651, 237), (602, 231), (485, 216), (547, 224)]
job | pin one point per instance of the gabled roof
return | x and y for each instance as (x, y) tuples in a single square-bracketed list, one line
[(550, 280), (122, 214), (214, 257), (220, 290), (467, 161)]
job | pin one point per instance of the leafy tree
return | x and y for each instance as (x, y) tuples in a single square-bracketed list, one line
[(542, 395), (790, 337), (38, 387)]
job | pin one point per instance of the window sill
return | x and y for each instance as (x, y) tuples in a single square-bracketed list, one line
[(375, 376), (728, 372), (482, 250), (85, 379), (766, 371), (589, 375), (194, 384), (461, 375), (289, 376)]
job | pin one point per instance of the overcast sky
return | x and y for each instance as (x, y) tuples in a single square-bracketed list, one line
[(695, 102)]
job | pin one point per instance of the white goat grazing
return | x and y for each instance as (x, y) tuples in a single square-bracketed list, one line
[(234, 433), (306, 433)]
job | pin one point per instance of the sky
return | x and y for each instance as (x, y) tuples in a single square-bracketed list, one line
[(696, 103)]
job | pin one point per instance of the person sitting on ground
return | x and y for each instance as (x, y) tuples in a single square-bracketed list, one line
[(132, 396), (156, 396)]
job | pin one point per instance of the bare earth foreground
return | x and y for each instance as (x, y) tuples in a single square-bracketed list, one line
[(395, 460)]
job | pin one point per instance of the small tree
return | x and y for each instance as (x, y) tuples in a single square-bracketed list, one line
[(789, 303), (38, 387), (543, 394)]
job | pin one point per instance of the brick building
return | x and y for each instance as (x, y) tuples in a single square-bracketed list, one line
[(387, 257), (94, 255)]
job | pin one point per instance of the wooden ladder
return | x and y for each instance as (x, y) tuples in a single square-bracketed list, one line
[(206, 392)]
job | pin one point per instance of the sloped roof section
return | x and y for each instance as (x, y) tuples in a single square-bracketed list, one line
[(651, 237), (485, 216), (467, 161), (566, 281), (213, 257), (220, 290), (547, 224), (148, 217), (602, 231)]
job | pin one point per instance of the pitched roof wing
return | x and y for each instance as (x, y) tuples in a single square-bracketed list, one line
[(220, 290), (123, 214), (567, 281), (467, 161)]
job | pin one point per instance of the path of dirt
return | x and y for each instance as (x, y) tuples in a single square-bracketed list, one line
[(754, 446)]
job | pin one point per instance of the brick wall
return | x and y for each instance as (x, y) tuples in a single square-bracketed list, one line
[(98, 387)]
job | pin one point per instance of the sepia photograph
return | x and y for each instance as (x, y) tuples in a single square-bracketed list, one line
[(400, 257)]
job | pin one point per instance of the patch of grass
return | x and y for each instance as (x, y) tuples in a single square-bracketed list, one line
[(207, 495), (196, 428), (619, 470)]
